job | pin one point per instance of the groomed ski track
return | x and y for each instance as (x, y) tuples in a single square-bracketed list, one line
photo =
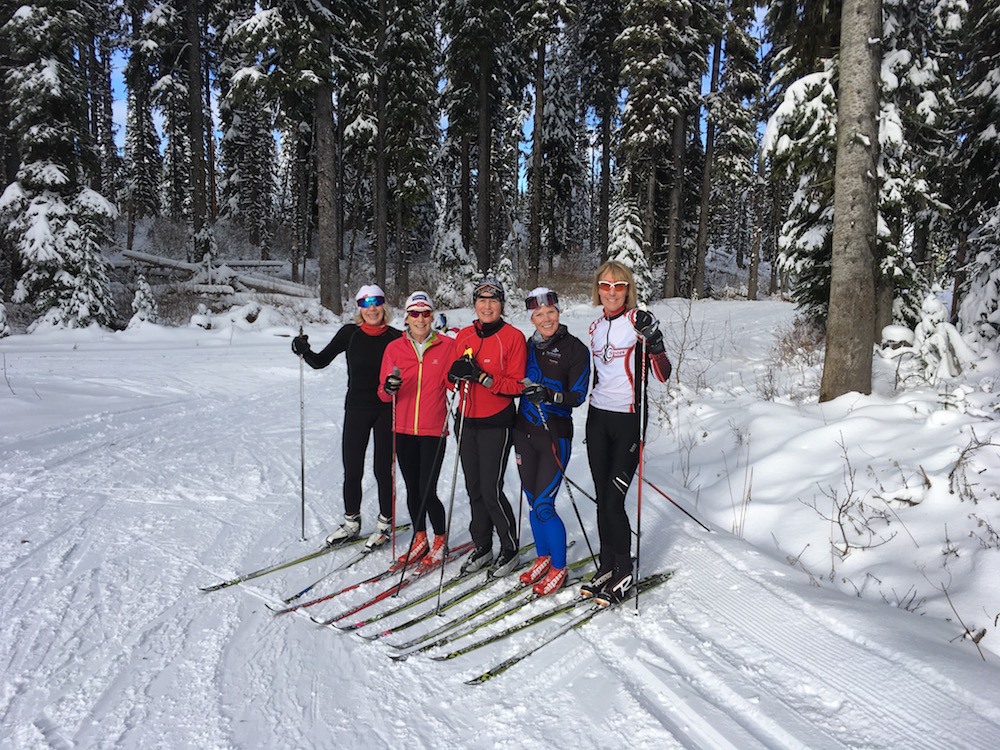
[(113, 518)]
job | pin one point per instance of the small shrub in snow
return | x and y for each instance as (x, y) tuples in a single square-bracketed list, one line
[(934, 346), (144, 307), (4, 325)]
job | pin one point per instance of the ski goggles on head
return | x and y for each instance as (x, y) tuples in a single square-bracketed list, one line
[(548, 299), (612, 286), (487, 292), (371, 301), (419, 313)]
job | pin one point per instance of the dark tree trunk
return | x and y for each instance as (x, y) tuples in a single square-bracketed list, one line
[(706, 182), (327, 229), (537, 165), (851, 322), (604, 207), (483, 169), (381, 171), (196, 122), (674, 211)]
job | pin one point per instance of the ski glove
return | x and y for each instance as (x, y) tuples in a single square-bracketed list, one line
[(647, 326), (300, 345), (392, 383), (537, 394), (466, 368)]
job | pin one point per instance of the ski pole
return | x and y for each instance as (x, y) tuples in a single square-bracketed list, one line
[(442, 439), (454, 477), (302, 440), (642, 457), (677, 505), (392, 466), (559, 463)]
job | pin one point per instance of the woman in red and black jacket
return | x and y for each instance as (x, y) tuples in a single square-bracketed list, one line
[(489, 367), (415, 371)]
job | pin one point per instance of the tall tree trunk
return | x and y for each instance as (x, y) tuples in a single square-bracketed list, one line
[(211, 188), (485, 137), (381, 170), (327, 229), (196, 123), (674, 216), (340, 201), (850, 326), (535, 240), (753, 279), (604, 208), (961, 255), (465, 189), (649, 218), (706, 181)]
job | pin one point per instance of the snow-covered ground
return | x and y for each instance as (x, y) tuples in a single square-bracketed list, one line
[(137, 466)]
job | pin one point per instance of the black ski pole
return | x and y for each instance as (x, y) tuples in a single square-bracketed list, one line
[(454, 479), (302, 440), (576, 510)]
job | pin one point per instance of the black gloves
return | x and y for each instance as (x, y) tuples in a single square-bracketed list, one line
[(392, 383), (300, 345), (648, 327), (537, 394), (466, 368)]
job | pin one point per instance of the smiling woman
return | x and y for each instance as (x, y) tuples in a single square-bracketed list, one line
[(555, 381), (365, 415)]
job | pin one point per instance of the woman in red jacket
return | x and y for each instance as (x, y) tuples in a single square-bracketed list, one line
[(491, 357), (415, 371)]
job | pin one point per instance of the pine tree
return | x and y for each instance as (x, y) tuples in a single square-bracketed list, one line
[(4, 325), (565, 161), (55, 221), (626, 243), (979, 313), (248, 154), (144, 307), (600, 23), (143, 163), (411, 121)]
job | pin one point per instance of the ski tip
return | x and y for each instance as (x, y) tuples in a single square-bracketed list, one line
[(399, 657)]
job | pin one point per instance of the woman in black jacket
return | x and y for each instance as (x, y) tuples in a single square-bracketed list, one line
[(365, 414)]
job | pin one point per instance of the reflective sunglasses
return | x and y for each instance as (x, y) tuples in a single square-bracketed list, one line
[(609, 286), (549, 299), (371, 301), (419, 313)]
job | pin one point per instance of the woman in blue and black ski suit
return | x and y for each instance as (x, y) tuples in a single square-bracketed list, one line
[(556, 380)]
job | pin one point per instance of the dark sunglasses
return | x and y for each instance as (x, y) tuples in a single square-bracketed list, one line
[(549, 299), (419, 313), (372, 301)]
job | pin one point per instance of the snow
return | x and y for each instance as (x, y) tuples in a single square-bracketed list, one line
[(139, 465)]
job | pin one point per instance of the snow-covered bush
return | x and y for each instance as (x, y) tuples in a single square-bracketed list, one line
[(935, 345), (144, 307), (625, 244), (979, 313), (4, 325)]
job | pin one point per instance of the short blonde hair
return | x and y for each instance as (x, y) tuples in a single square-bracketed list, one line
[(618, 271), (386, 315)]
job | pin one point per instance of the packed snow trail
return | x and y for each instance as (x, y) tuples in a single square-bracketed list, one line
[(115, 508)]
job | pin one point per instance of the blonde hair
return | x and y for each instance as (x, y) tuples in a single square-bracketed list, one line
[(618, 271), (386, 315)]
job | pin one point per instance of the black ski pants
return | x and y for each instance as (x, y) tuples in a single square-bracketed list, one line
[(613, 452), (359, 425), (420, 458), (484, 452)]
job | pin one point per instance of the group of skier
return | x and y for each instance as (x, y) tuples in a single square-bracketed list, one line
[(398, 391)]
